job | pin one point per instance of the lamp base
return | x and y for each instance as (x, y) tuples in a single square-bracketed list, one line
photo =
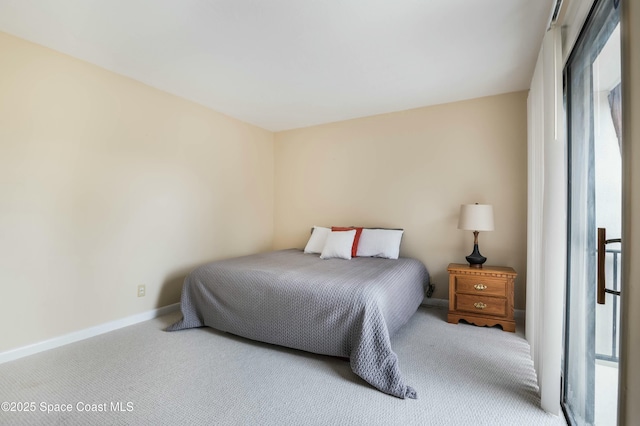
[(475, 259)]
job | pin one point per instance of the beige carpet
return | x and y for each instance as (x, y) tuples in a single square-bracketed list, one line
[(464, 375)]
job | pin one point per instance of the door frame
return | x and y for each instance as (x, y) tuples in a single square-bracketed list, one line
[(603, 18)]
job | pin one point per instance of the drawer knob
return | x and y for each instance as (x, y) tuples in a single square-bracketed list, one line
[(480, 305), (480, 287)]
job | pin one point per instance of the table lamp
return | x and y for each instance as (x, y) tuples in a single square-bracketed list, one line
[(476, 218)]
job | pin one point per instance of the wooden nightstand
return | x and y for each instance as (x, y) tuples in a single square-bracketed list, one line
[(482, 296)]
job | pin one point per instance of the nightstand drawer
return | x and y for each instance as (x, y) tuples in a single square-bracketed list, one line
[(481, 304), (481, 285)]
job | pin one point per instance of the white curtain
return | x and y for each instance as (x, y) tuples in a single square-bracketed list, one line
[(546, 227)]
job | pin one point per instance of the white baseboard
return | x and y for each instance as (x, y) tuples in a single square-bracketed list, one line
[(444, 303), (85, 334)]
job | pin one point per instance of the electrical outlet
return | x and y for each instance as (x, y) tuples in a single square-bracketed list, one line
[(141, 290)]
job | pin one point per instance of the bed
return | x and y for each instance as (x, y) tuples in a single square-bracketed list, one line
[(343, 308)]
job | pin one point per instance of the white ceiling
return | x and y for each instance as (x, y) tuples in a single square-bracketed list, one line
[(283, 64)]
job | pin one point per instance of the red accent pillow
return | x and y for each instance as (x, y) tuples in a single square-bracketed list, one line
[(354, 248)]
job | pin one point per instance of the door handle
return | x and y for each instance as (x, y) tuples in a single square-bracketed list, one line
[(601, 282)]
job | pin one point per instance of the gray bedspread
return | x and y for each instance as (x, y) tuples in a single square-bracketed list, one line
[(345, 308)]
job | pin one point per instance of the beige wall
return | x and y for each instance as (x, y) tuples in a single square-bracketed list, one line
[(412, 169), (105, 184), (629, 390)]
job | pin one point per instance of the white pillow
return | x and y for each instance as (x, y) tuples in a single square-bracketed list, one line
[(339, 244), (380, 243), (317, 239)]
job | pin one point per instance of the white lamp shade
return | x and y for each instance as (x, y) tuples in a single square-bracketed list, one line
[(476, 217)]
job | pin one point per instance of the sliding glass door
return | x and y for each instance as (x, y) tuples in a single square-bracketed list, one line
[(592, 82)]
